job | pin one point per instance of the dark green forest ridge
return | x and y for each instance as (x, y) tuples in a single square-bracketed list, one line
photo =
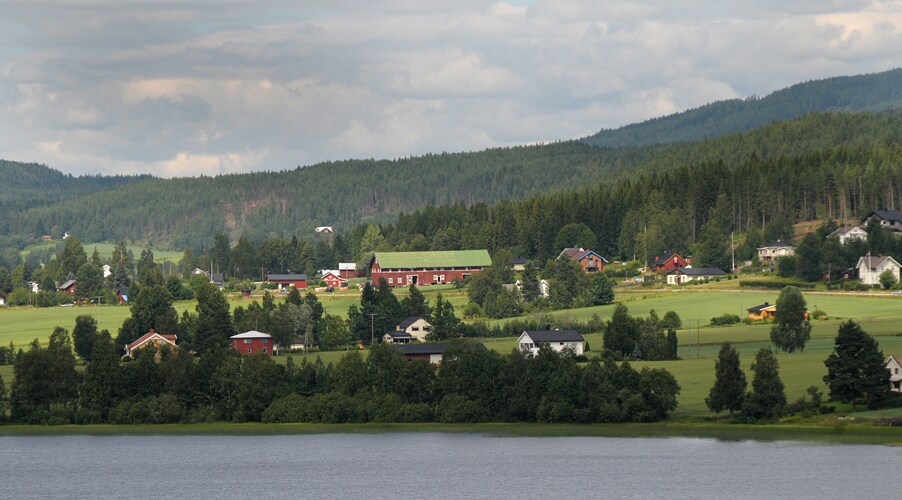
[(873, 92)]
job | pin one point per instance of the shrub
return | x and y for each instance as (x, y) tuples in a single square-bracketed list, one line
[(725, 319)]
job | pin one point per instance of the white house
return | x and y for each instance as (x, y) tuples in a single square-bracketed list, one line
[(774, 251), (686, 274), (416, 326), (543, 287), (107, 271), (530, 341), (870, 268), (849, 233), (894, 365)]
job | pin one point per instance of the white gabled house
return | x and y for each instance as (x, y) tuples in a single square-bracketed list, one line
[(849, 233), (870, 268), (531, 341), (416, 326), (894, 365)]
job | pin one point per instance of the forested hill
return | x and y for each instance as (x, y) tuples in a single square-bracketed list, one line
[(188, 212), (24, 185), (874, 92)]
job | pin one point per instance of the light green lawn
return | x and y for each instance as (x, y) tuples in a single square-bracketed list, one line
[(106, 251)]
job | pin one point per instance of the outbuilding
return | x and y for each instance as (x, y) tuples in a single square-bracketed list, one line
[(252, 342), (286, 280), (687, 274)]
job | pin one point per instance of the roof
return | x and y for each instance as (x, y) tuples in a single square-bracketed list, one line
[(758, 309), (895, 357), (778, 244), (579, 254), (698, 271), (875, 262), (286, 277), (347, 266), (409, 321), (67, 284), (398, 335), (891, 215), (409, 349), (554, 335), (448, 258), (216, 278), (843, 230), (147, 336), (253, 334)]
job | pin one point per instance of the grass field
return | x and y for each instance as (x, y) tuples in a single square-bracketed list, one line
[(106, 251)]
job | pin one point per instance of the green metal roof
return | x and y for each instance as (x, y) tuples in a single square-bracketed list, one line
[(450, 258)]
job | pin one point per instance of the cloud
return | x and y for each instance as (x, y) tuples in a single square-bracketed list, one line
[(179, 88)]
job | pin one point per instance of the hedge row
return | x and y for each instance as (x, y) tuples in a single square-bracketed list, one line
[(775, 285)]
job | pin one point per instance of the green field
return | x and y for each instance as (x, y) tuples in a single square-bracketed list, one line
[(106, 251)]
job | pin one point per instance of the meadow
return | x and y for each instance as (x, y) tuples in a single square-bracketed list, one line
[(106, 251)]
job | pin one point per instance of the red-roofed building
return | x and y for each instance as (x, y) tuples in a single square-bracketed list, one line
[(151, 339), (589, 260)]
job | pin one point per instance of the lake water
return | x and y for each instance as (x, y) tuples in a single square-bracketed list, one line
[(436, 465)]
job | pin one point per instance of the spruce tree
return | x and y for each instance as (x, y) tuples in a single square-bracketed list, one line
[(791, 329), (768, 397), (729, 388), (856, 368)]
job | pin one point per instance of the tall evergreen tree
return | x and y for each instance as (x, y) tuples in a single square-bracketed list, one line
[(768, 397), (84, 335), (97, 392), (214, 322), (414, 304), (729, 388), (856, 368)]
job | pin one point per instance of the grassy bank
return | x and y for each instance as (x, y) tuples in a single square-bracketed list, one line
[(828, 431)]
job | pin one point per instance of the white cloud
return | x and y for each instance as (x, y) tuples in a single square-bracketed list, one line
[(181, 88)]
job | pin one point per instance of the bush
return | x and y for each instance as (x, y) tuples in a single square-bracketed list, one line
[(774, 284), (725, 319), (291, 408)]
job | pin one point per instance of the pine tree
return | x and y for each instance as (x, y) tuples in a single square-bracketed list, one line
[(768, 397), (791, 330), (856, 368), (729, 388)]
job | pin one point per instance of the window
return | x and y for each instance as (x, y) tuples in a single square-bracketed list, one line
[(247, 341), (264, 349), (264, 341), (415, 328), (391, 281), (249, 350)]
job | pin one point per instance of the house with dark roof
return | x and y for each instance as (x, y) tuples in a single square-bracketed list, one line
[(415, 326), (763, 311), (433, 353), (559, 340), (846, 234), (286, 280), (68, 287), (870, 268), (668, 261), (427, 268), (217, 279), (687, 274), (397, 337), (151, 339), (775, 250), (894, 365), (590, 261), (890, 219)]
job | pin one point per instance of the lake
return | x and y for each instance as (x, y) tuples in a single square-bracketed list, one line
[(438, 465)]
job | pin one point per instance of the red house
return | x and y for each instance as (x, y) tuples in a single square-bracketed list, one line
[(283, 280), (347, 270), (427, 268), (68, 287), (252, 342), (591, 261), (667, 262), (333, 280), (151, 339)]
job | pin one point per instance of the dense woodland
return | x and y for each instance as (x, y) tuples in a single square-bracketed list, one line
[(875, 92)]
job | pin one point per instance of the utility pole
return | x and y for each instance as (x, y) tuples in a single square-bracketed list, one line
[(372, 330)]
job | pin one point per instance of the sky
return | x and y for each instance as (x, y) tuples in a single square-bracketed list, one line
[(202, 87)]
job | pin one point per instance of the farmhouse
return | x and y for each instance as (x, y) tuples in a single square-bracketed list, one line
[(151, 339), (68, 287), (774, 251), (890, 219), (397, 337), (870, 268), (531, 341), (589, 260), (252, 342), (427, 268), (763, 311), (668, 261), (849, 233), (331, 278), (687, 274), (415, 326), (894, 365), (286, 280)]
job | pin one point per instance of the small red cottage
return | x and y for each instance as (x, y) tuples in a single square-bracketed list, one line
[(68, 287), (347, 270), (591, 261), (283, 280), (252, 342), (333, 280), (667, 262)]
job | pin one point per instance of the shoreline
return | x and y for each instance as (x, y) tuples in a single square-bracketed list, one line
[(830, 433)]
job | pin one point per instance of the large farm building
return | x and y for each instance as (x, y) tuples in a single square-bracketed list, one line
[(427, 268)]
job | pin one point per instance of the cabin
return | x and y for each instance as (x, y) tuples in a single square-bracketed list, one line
[(332, 279), (894, 365), (763, 311), (153, 340), (397, 338), (687, 274), (347, 270), (889, 219), (68, 287), (559, 340), (252, 342), (668, 261), (122, 295), (415, 326), (433, 353), (870, 268), (774, 251), (285, 280), (849, 233), (590, 261), (427, 268)]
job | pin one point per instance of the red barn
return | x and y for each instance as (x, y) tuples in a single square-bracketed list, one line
[(589, 260), (283, 280), (347, 270), (668, 262), (427, 268), (252, 342), (333, 280), (68, 287)]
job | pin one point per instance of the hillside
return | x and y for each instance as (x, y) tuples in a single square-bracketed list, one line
[(874, 92), (175, 213)]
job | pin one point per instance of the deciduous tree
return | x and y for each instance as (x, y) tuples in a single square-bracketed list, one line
[(791, 329)]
